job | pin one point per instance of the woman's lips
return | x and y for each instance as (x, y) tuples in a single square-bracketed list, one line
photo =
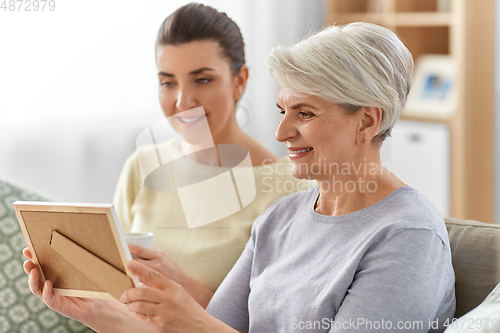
[(298, 152), (190, 121)]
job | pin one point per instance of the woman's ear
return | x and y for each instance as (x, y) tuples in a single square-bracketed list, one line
[(369, 123), (241, 82)]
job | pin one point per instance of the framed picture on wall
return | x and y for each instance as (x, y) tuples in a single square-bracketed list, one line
[(433, 93)]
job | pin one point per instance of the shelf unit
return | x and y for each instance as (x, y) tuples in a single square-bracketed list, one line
[(463, 29)]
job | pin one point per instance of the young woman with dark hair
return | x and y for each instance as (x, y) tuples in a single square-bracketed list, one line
[(201, 62)]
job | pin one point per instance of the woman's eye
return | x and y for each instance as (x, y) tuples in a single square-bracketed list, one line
[(202, 81), (167, 84), (282, 111), (305, 114)]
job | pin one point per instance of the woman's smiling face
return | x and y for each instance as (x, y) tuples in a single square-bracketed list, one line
[(196, 74), (317, 133)]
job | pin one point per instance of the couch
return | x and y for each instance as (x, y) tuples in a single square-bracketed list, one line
[(475, 251), (475, 248)]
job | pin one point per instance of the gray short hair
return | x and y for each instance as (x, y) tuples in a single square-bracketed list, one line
[(356, 65)]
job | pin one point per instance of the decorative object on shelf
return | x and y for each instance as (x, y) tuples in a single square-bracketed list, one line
[(434, 88)]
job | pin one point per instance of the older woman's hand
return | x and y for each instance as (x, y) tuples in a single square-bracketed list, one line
[(166, 305), (73, 307), (160, 262)]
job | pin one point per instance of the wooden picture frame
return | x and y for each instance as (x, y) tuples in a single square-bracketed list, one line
[(434, 92), (81, 248)]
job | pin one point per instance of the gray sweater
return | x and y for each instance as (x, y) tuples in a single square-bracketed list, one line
[(384, 268)]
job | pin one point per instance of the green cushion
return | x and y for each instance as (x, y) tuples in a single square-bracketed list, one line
[(21, 311)]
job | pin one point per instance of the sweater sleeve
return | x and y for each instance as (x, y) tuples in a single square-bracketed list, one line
[(126, 191), (230, 302), (399, 286)]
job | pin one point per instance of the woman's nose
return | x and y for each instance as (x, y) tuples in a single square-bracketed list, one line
[(286, 129), (186, 99)]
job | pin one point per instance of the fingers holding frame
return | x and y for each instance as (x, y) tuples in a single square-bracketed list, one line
[(28, 265), (150, 299), (145, 300), (35, 282), (143, 308), (142, 252), (34, 278), (163, 302), (149, 276), (27, 253), (36, 285), (32, 270), (143, 294)]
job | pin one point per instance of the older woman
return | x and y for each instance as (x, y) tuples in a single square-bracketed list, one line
[(362, 251)]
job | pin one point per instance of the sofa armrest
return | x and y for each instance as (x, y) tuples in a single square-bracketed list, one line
[(475, 250)]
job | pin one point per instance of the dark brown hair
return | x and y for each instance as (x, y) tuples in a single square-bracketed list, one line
[(196, 22)]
